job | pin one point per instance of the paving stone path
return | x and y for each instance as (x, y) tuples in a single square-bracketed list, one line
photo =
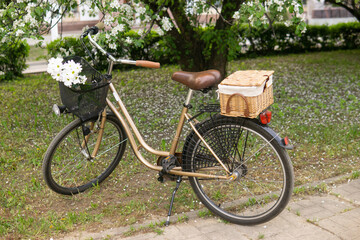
[(335, 215)]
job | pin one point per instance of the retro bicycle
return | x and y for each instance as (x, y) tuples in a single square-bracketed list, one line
[(238, 167)]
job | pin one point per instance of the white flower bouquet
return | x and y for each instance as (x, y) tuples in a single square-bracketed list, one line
[(68, 73)]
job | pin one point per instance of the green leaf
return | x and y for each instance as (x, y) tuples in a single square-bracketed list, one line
[(301, 10), (291, 9), (257, 23)]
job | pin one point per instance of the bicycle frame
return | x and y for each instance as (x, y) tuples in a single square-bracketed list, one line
[(129, 125)]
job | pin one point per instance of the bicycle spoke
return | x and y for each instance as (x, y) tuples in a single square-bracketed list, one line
[(107, 150), (260, 149)]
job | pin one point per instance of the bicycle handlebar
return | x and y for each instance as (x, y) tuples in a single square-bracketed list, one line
[(140, 63), (147, 64)]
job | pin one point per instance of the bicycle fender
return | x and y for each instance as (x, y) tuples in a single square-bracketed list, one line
[(275, 136)]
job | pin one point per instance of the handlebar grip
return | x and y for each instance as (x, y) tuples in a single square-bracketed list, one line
[(147, 64), (100, 25)]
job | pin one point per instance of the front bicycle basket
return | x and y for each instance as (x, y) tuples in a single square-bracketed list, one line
[(85, 100)]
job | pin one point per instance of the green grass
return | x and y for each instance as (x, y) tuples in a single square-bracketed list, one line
[(317, 98), (156, 227)]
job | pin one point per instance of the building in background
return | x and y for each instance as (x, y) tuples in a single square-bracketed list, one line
[(319, 13)]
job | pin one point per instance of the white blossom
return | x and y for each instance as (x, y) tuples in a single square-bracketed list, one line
[(115, 4), (236, 15), (30, 19), (64, 51), (140, 32), (140, 10), (166, 24), (251, 18), (108, 20), (287, 23), (112, 46), (128, 40), (297, 8), (19, 32), (118, 28), (127, 10), (160, 31), (147, 19)]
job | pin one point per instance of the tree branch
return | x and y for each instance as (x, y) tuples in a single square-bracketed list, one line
[(355, 11)]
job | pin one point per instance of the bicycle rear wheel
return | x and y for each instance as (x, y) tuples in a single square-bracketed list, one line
[(68, 167), (263, 169)]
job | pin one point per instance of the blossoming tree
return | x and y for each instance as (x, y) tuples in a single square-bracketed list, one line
[(201, 31)]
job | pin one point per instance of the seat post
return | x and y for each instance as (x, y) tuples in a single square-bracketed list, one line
[(189, 96), (181, 122)]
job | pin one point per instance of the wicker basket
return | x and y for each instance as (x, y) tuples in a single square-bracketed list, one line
[(246, 93)]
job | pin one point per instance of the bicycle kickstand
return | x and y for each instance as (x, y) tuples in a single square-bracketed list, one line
[(178, 181)]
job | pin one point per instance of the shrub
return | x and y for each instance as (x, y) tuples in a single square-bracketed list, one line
[(13, 59), (263, 41)]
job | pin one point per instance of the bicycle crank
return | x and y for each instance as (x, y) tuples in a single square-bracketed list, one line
[(168, 163)]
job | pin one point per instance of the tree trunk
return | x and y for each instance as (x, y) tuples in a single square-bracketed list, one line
[(219, 54), (188, 42)]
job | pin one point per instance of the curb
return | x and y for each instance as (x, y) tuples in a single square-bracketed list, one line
[(36, 67)]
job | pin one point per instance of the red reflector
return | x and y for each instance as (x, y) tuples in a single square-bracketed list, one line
[(265, 117), (286, 141), (268, 115)]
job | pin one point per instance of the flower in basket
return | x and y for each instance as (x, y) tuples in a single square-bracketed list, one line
[(68, 72)]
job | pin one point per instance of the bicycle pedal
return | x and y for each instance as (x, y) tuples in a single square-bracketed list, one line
[(169, 163)]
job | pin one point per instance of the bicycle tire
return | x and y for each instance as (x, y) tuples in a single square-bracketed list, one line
[(264, 171), (67, 167)]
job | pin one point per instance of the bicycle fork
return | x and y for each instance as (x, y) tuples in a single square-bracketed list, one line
[(100, 132)]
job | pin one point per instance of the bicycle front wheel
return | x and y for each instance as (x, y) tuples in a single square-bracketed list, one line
[(263, 170), (71, 165)]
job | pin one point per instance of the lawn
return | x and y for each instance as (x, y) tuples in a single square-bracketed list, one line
[(317, 102)]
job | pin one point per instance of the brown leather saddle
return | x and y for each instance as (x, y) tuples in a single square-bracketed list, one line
[(198, 80)]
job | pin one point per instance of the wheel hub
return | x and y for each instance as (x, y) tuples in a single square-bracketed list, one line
[(239, 172)]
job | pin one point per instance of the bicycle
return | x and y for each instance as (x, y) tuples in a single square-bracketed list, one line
[(238, 167)]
